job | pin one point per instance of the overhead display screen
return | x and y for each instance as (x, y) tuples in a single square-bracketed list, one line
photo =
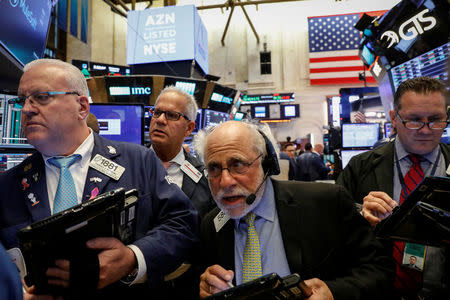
[(24, 26), (432, 64), (169, 33), (268, 98), (134, 88)]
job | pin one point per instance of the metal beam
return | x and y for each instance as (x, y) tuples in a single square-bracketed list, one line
[(226, 5), (226, 26), (250, 23), (123, 5), (115, 9)]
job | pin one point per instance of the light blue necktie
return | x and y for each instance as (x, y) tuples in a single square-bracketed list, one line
[(66, 194)]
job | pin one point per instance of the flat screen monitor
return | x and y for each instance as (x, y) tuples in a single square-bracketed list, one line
[(222, 98), (194, 87), (120, 121), (11, 132), (387, 129), (212, 118), (346, 155), (260, 111), (24, 28), (360, 134), (431, 64), (290, 111), (446, 136), (10, 157), (239, 116)]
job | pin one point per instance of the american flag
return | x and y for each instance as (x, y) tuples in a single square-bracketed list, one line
[(333, 50)]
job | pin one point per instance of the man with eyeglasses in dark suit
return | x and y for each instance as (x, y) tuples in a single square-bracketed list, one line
[(379, 178), (53, 96), (173, 119)]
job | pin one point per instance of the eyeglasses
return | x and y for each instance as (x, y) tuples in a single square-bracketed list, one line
[(234, 167), (41, 98), (435, 125), (170, 115)]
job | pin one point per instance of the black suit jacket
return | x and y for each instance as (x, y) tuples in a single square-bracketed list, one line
[(199, 192), (323, 237), (374, 171)]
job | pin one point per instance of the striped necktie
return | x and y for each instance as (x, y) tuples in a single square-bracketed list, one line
[(408, 280), (252, 253), (66, 194)]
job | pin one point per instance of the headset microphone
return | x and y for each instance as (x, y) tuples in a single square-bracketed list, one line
[(252, 197)]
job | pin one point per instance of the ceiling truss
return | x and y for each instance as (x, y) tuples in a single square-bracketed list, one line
[(122, 7)]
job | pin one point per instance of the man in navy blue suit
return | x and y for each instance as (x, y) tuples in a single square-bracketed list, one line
[(53, 95)]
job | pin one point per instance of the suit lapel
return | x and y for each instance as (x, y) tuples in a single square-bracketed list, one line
[(34, 187), (96, 181), (188, 185), (383, 168), (225, 245), (291, 217)]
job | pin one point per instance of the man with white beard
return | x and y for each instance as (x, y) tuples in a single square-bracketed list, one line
[(262, 225)]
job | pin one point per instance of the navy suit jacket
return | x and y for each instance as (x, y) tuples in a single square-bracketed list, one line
[(310, 167), (199, 192), (167, 223), (323, 237)]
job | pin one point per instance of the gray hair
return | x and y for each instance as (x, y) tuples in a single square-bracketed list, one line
[(191, 108), (257, 140), (74, 78)]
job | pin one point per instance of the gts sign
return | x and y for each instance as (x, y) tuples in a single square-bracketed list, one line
[(411, 28)]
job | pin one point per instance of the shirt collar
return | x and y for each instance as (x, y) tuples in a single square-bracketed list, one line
[(402, 153), (179, 158), (85, 150), (266, 207)]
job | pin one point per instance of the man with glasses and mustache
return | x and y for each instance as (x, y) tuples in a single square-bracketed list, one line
[(262, 225), (54, 100), (173, 119), (382, 178)]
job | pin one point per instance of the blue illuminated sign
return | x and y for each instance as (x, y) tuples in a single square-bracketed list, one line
[(169, 33)]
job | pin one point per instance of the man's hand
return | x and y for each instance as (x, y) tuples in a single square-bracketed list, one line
[(377, 206), (214, 280), (29, 294), (320, 290), (116, 260), (60, 273)]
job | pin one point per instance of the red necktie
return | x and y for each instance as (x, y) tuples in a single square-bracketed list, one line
[(408, 280)]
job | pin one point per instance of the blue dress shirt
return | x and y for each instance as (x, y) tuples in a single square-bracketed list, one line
[(267, 226)]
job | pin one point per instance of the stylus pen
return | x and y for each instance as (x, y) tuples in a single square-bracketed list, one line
[(230, 284)]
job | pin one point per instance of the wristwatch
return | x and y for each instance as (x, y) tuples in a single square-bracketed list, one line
[(128, 279)]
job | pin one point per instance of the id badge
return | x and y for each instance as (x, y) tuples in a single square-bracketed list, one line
[(414, 256)]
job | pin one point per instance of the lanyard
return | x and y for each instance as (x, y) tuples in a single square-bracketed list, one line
[(399, 171)]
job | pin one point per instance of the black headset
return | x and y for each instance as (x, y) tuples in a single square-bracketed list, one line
[(270, 162)]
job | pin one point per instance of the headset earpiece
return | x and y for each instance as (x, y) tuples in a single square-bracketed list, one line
[(270, 162)]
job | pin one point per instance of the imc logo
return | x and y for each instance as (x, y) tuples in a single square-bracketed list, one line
[(141, 91), (414, 27), (127, 90)]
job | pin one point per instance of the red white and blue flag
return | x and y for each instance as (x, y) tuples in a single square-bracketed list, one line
[(333, 50)]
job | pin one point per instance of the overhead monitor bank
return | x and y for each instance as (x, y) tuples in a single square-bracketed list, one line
[(145, 89)]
